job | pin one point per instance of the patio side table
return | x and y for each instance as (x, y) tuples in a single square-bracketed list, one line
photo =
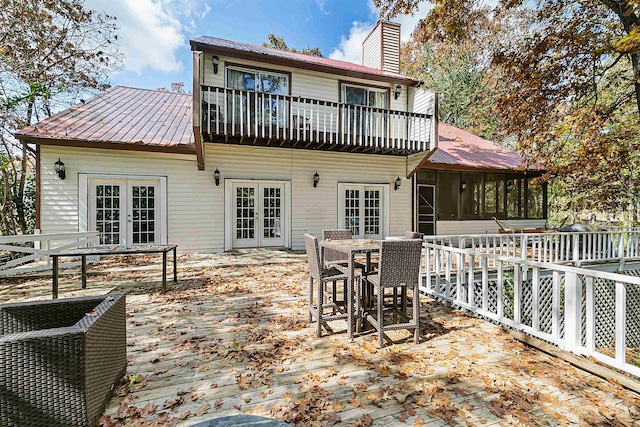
[(115, 250)]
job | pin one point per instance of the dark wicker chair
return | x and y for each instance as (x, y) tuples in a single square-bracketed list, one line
[(60, 359), (323, 298), (399, 269)]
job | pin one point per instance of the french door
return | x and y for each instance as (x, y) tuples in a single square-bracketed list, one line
[(362, 210), (127, 212), (260, 214)]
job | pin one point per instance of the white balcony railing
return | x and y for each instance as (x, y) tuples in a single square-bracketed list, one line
[(585, 311), (575, 248), (262, 118)]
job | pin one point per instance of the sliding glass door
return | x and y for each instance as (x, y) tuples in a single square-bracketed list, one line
[(257, 103)]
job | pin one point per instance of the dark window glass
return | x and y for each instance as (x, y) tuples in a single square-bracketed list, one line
[(515, 194), (472, 195), (494, 195), (535, 199), (447, 193)]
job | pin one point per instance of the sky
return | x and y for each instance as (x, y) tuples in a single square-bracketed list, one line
[(154, 34)]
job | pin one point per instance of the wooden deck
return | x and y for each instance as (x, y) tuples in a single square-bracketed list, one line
[(235, 339)]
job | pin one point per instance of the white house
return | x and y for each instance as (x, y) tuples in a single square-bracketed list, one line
[(270, 145)]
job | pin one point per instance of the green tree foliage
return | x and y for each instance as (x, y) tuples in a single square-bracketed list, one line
[(277, 42), (51, 52), (567, 84)]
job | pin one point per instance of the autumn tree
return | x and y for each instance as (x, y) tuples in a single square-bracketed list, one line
[(277, 42), (570, 84), (51, 52)]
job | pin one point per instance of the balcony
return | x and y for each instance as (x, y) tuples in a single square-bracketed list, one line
[(255, 118)]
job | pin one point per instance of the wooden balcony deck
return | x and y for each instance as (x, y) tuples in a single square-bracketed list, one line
[(232, 339), (254, 118)]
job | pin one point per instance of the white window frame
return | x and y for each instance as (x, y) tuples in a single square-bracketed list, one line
[(384, 208), (85, 207), (257, 73), (343, 93), (229, 204)]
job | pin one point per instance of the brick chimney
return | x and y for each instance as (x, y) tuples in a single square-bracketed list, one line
[(381, 48)]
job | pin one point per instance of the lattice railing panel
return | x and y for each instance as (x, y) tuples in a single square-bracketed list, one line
[(605, 313), (546, 304)]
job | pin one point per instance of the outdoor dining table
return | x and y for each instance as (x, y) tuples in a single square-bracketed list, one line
[(351, 248), (82, 253)]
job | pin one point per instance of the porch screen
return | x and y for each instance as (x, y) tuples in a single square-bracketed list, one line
[(447, 194), (472, 195), (535, 199), (494, 195)]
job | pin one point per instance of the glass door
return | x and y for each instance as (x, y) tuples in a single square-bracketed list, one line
[(245, 215), (259, 214), (107, 215), (364, 121), (260, 105), (127, 212), (362, 210), (142, 215), (272, 218)]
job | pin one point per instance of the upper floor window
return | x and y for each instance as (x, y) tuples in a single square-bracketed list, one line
[(259, 81), (367, 96)]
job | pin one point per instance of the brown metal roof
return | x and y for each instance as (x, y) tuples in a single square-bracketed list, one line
[(122, 115), (458, 148), (260, 53)]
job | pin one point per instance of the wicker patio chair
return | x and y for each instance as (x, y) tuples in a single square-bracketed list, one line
[(324, 299), (399, 269), (60, 359)]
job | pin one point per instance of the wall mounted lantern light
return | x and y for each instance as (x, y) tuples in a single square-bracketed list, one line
[(216, 176), (60, 169), (463, 186), (215, 61), (316, 179), (397, 92), (397, 183)]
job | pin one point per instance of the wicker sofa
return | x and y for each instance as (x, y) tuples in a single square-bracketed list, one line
[(59, 360)]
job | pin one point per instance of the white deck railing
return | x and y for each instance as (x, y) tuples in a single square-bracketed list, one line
[(43, 246), (576, 248), (584, 311), (273, 117)]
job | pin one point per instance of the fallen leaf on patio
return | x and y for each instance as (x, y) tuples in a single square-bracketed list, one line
[(217, 404), (202, 410)]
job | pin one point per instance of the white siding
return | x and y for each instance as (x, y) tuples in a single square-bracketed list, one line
[(313, 209), (189, 213), (445, 228), (371, 50), (390, 47), (306, 84), (195, 209), (421, 101)]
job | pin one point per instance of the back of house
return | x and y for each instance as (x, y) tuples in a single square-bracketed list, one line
[(271, 145)]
